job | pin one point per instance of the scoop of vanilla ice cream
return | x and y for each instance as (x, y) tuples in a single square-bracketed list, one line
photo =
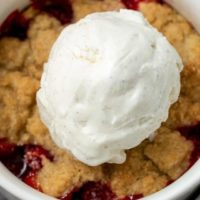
[(189, 9), (108, 84)]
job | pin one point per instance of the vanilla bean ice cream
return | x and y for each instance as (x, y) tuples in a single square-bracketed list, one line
[(108, 84)]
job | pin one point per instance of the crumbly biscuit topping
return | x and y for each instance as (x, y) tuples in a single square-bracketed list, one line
[(147, 169)]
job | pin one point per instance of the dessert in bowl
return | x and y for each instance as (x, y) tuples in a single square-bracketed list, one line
[(26, 146)]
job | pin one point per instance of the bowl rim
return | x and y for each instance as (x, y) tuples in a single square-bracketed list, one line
[(182, 186)]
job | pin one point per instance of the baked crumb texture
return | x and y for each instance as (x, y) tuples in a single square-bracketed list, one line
[(150, 166)]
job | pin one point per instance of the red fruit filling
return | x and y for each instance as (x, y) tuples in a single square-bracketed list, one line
[(23, 161), (16, 25), (61, 9), (26, 161), (91, 191), (95, 191), (12, 157), (99, 191), (134, 4), (193, 134)]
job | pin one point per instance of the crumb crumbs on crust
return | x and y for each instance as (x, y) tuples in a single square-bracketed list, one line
[(13, 53)]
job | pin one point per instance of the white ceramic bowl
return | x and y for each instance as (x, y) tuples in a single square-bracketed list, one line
[(179, 190)]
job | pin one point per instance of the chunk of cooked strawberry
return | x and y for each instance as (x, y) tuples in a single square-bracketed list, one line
[(192, 133), (31, 179), (15, 25), (23, 161), (134, 4), (33, 156)]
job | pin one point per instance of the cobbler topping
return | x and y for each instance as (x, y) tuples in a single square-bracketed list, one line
[(12, 157), (148, 168), (91, 191), (33, 156), (6, 148), (17, 24), (30, 178), (25, 161)]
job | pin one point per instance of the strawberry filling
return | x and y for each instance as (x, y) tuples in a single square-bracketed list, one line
[(15, 25)]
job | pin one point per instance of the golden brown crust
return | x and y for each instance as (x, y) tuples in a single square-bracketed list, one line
[(84, 7), (187, 42), (66, 173), (169, 152), (148, 167), (17, 95), (13, 53), (42, 33), (138, 175)]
